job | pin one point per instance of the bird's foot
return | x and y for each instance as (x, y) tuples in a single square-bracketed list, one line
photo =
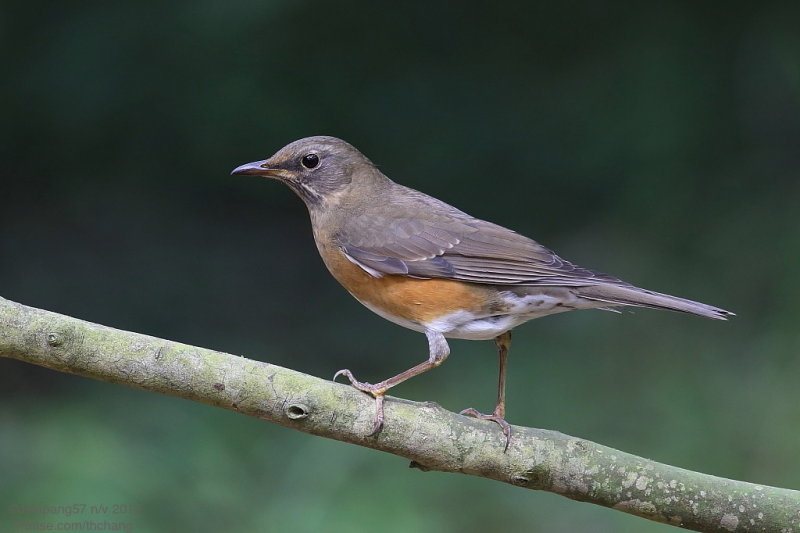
[(495, 417), (376, 391)]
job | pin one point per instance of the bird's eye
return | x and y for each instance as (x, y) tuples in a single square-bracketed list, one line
[(310, 161)]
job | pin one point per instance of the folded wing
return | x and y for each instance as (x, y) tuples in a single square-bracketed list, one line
[(447, 243)]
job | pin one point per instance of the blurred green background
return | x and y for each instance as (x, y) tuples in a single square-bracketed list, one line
[(654, 141)]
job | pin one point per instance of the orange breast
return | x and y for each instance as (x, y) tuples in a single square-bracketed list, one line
[(418, 300)]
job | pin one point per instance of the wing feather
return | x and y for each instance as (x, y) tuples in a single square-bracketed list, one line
[(443, 242)]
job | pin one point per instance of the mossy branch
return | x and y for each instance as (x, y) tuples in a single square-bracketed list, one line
[(431, 437)]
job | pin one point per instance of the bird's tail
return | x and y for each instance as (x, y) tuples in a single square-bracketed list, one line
[(630, 295)]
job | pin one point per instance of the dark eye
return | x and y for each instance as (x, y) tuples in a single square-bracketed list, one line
[(310, 161)]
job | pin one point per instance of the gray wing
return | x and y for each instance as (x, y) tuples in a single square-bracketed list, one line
[(443, 242)]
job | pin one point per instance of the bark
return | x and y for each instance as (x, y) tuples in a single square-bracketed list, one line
[(431, 437)]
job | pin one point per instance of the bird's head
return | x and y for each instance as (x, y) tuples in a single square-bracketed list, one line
[(319, 169)]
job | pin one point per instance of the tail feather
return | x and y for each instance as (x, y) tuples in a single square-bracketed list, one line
[(630, 295)]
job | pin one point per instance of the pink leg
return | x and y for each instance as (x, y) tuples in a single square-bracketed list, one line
[(439, 350), (503, 343)]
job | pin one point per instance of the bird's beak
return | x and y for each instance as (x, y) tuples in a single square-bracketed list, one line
[(259, 168)]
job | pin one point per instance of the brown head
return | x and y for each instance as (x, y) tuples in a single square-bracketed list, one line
[(322, 171)]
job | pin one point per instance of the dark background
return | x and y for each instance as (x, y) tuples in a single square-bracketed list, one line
[(656, 142)]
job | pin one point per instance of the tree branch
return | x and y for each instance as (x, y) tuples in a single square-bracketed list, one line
[(433, 438)]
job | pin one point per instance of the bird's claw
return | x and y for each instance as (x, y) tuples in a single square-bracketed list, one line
[(494, 417), (377, 427), (375, 391), (346, 373), (369, 388)]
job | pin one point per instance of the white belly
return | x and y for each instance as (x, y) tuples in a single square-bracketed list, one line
[(485, 326)]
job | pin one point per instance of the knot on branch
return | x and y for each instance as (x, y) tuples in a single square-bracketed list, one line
[(296, 411), (63, 343), (537, 477), (54, 339)]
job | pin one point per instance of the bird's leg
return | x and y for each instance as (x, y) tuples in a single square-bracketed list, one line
[(503, 343), (439, 350)]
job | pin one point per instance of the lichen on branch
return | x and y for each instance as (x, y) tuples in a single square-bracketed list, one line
[(431, 437)]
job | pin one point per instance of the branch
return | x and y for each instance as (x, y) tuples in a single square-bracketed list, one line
[(431, 437)]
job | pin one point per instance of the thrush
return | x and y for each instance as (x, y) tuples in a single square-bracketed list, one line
[(427, 266)]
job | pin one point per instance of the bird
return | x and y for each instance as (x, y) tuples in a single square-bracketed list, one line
[(430, 267)]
